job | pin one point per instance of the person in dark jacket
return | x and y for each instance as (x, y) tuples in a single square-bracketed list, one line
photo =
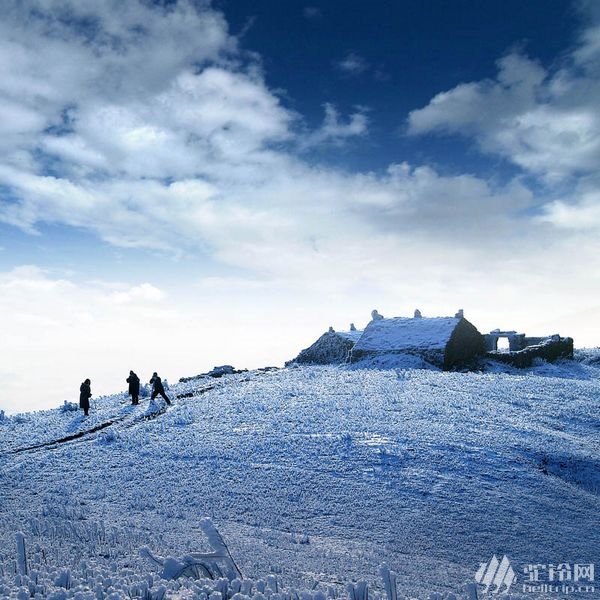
[(85, 393), (134, 387), (157, 388)]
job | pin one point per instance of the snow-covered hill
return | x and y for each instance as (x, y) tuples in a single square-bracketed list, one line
[(314, 476)]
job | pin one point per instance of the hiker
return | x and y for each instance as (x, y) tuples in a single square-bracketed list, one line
[(157, 388), (85, 393), (134, 387)]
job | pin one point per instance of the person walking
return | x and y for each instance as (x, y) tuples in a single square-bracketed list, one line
[(134, 387), (85, 393), (157, 388)]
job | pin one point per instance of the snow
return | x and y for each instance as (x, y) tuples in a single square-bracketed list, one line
[(314, 478), (402, 333), (352, 335), (392, 361)]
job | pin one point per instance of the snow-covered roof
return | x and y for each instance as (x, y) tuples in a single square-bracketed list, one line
[(353, 336), (402, 333)]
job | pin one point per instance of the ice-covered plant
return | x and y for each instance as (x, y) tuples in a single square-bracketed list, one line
[(21, 555), (389, 582), (69, 407), (471, 591), (64, 579), (109, 436), (272, 583), (358, 591)]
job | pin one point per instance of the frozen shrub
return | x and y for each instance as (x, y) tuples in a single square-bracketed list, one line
[(471, 591), (21, 555), (108, 437), (347, 439), (587, 356), (63, 580), (184, 419), (389, 582), (272, 583), (358, 591), (246, 589), (160, 592), (68, 407)]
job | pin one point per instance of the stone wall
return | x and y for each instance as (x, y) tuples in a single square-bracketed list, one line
[(549, 349), (330, 348)]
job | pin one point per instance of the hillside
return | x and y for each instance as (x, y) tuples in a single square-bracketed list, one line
[(314, 476)]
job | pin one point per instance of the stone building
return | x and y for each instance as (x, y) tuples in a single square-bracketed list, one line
[(333, 347), (446, 342)]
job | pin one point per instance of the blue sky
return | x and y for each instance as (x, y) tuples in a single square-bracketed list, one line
[(185, 184)]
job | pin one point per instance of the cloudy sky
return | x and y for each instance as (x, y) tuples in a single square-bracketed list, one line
[(185, 184)]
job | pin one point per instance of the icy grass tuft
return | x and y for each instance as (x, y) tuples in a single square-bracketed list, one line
[(100, 578), (108, 437)]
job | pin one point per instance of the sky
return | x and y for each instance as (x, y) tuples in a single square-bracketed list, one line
[(185, 184)]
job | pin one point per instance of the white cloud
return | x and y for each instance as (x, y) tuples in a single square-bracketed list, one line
[(583, 214), (546, 123), (334, 131), (153, 133), (53, 62), (589, 50), (186, 160), (312, 12), (352, 64), (139, 294)]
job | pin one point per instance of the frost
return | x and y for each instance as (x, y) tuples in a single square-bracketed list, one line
[(108, 437), (21, 554), (401, 333), (69, 407), (314, 477)]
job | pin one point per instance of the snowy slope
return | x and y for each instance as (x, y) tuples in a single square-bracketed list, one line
[(316, 475)]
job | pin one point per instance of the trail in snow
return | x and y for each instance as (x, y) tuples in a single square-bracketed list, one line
[(125, 420)]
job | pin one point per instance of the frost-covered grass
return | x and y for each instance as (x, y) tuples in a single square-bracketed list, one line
[(588, 356), (315, 476)]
